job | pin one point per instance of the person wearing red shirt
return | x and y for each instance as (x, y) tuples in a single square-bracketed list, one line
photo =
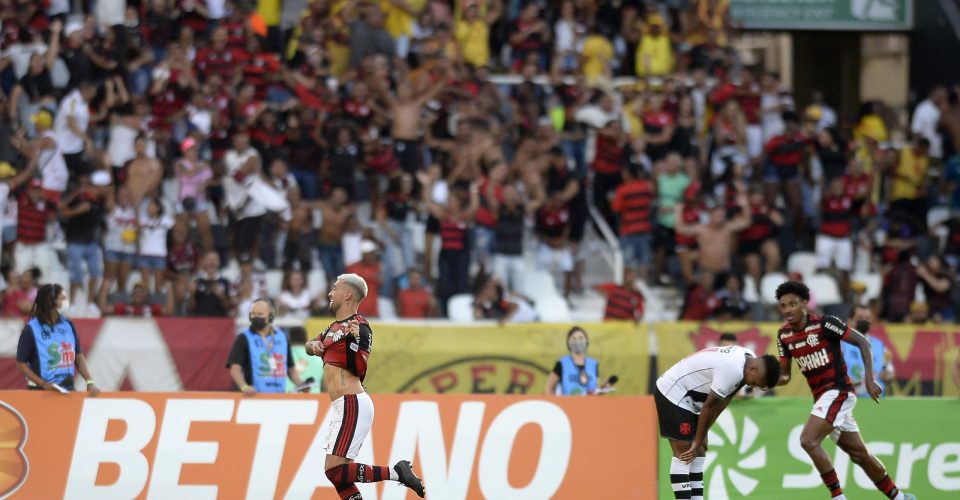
[(658, 127), (757, 243), (633, 201), (624, 301), (786, 154), (607, 165), (368, 268), (138, 306), (416, 301), (834, 245), (219, 58)]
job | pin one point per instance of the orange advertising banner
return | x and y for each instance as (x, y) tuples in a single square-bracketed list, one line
[(220, 445)]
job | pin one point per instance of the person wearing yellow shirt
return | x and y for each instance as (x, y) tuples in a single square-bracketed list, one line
[(399, 16), (472, 32), (908, 191), (597, 55), (655, 54)]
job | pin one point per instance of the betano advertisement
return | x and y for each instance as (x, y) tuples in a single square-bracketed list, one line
[(216, 445), (513, 359), (754, 450), (921, 354)]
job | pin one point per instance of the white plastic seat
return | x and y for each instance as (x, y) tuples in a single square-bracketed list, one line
[(750, 293), (460, 308), (553, 309), (804, 263), (824, 290), (536, 284), (317, 282), (768, 287), (274, 279), (387, 310)]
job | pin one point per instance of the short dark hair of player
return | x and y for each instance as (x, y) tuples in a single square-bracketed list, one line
[(45, 305), (728, 337), (772, 365), (793, 287), (298, 335)]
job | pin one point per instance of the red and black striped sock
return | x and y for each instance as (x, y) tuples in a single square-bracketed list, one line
[(886, 486), (349, 492), (833, 483), (360, 473)]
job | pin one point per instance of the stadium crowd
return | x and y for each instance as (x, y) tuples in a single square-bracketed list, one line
[(148, 146)]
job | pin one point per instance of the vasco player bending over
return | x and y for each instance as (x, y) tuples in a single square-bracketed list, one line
[(814, 342), (692, 394), (345, 346)]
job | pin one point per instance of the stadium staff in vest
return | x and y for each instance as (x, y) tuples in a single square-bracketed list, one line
[(574, 374), (48, 352), (260, 359)]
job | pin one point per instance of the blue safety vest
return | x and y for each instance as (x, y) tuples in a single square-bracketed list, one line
[(570, 381), (56, 350), (268, 360)]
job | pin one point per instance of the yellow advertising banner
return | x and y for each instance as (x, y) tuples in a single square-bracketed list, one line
[(920, 354), (492, 359)]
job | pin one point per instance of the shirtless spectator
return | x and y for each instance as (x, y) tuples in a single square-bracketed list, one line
[(336, 209), (716, 238), (142, 174), (297, 248), (405, 111)]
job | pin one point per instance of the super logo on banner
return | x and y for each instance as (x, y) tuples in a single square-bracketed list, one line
[(754, 450), (490, 359), (921, 355)]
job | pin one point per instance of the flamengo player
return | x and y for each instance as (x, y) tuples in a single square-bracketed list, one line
[(814, 341), (345, 346), (692, 394)]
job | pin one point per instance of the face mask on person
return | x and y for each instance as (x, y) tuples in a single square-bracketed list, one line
[(578, 346), (66, 305), (258, 323), (863, 326)]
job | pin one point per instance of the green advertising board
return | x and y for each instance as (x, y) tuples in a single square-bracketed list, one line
[(754, 450), (856, 15)]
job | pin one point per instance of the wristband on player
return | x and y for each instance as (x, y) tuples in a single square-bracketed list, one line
[(90, 382), (244, 387)]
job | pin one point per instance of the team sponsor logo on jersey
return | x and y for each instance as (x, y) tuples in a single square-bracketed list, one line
[(813, 340), (833, 328), (813, 361), (798, 345), (811, 328)]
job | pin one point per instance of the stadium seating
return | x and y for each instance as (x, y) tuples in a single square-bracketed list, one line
[(387, 311), (553, 309), (768, 287), (537, 284), (824, 290), (460, 308), (804, 263)]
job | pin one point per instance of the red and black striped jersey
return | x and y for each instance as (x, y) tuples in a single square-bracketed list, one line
[(816, 349), (346, 351)]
